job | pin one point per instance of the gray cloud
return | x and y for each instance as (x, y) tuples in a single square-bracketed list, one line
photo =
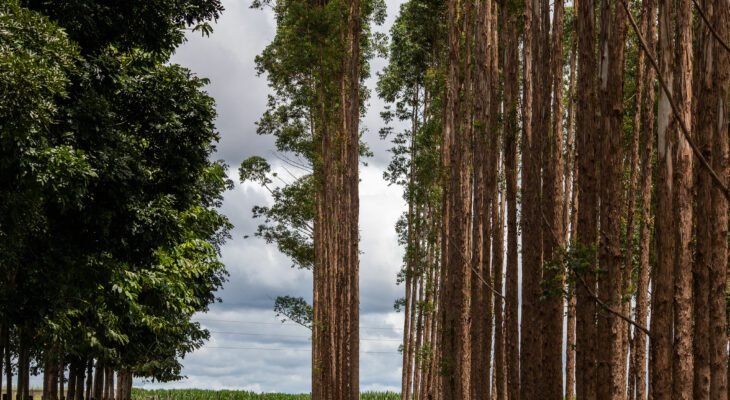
[(245, 322)]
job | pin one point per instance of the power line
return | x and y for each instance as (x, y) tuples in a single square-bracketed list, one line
[(285, 349), (295, 336), (279, 323)]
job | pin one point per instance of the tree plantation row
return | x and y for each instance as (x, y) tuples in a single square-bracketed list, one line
[(109, 229), (565, 168)]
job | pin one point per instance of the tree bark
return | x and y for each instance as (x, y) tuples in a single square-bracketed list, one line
[(718, 271), (683, 176), (647, 140), (335, 349), (663, 283), (586, 228), (511, 87)]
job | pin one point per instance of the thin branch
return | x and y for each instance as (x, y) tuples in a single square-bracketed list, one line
[(593, 294), (611, 310), (675, 109), (491, 287), (709, 26)]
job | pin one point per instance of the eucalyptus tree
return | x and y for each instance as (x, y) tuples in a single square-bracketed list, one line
[(412, 85), (315, 66)]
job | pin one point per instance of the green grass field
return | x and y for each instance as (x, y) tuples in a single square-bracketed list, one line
[(199, 394)]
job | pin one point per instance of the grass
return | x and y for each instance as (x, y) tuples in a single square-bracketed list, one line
[(199, 394)]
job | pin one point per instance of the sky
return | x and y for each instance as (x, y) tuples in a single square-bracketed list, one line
[(250, 348)]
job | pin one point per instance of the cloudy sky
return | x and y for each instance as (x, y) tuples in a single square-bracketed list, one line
[(250, 349)]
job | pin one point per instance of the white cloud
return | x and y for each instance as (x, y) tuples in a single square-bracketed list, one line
[(258, 272)]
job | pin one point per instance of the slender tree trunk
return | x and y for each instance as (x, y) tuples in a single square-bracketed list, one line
[(531, 332), (611, 328), (570, 215), (703, 86), (500, 389), (586, 228), (511, 88), (718, 271), (98, 381), (454, 342), (553, 199), (682, 363), (89, 378), (647, 140), (663, 283)]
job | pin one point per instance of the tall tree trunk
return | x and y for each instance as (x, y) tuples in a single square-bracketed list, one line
[(553, 199), (511, 88), (570, 215), (454, 341), (647, 140), (718, 271), (477, 36), (499, 367), (531, 335), (612, 364), (703, 86), (335, 350), (682, 363), (586, 228), (663, 283)]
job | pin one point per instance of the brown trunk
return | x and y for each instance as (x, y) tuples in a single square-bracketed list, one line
[(647, 140), (531, 332), (586, 228), (553, 199), (632, 196), (612, 360), (663, 283), (570, 215), (682, 363), (639, 376), (500, 387), (719, 216), (703, 212), (454, 310), (480, 249), (510, 166), (335, 340)]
